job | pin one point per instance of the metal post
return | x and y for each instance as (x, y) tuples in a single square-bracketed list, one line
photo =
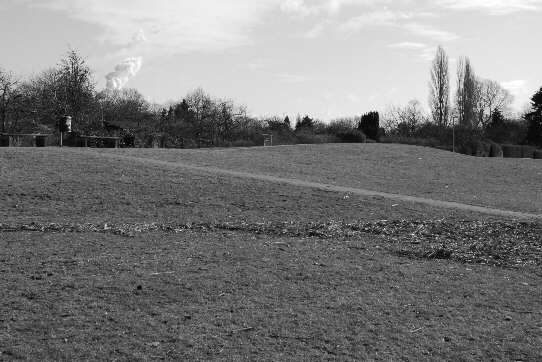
[(61, 136), (454, 118), (453, 137)]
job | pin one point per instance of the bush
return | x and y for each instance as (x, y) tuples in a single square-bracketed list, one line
[(538, 154), (511, 151), (482, 149), (352, 136), (309, 138)]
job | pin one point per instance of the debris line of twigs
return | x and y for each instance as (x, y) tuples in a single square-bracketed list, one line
[(487, 242)]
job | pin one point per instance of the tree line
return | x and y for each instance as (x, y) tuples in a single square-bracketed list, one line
[(477, 110), (35, 105)]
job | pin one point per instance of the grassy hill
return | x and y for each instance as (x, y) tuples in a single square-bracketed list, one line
[(110, 258), (419, 171)]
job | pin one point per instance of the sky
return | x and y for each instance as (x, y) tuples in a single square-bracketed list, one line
[(324, 58)]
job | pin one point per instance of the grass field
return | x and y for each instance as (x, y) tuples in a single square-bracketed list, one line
[(512, 184), (106, 258)]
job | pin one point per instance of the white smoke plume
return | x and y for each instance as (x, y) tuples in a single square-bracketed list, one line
[(138, 38), (124, 71)]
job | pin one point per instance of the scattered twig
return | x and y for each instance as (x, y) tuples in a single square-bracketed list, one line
[(168, 272), (242, 330)]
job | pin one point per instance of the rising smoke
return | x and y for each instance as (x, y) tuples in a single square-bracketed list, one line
[(124, 71), (129, 67)]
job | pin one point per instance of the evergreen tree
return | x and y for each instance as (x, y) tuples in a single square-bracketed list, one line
[(369, 125), (287, 122), (534, 120), (305, 123)]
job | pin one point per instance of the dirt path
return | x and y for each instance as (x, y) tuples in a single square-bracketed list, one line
[(326, 187)]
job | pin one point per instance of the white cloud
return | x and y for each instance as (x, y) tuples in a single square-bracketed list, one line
[(408, 45), (517, 87), (317, 30), (422, 51), (431, 32), (521, 91), (297, 7), (495, 7), (354, 98), (374, 18), (401, 20), (169, 26), (312, 7), (139, 37), (290, 78)]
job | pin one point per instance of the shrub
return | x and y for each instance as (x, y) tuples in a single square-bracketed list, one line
[(482, 149), (538, 154), (352, 136), (308, 138), (511, 151)]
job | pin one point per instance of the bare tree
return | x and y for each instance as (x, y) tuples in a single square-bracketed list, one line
[(492, 97), (202, 108), (467, 93), (8, 85), (439, 88), (404, 120), (76, 85)]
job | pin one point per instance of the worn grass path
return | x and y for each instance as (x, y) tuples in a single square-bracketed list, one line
[(322, 186)]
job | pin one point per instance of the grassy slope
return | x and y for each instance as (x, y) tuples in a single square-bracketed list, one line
[(55, 186), (512, 184), (236, 296), (75, 296)]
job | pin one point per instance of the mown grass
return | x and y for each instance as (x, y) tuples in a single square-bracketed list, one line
[(54, 185), (242, 294), (237, 296), (512, 184)]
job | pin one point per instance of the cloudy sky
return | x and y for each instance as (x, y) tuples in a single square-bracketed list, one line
[(327, 58)]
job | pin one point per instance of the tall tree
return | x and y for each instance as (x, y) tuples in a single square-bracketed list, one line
[(439, 88), (534, 120), (7, 95), (467, 93), (76, 85), (202, 107)]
